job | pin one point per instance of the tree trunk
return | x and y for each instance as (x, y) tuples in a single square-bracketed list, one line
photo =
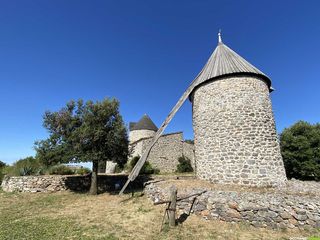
[(94, 178)]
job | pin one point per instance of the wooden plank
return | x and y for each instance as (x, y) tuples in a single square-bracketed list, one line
[(180, 199), (172, 206)]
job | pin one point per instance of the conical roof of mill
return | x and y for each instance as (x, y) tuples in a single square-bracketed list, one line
[(145, 123), (225, 62)]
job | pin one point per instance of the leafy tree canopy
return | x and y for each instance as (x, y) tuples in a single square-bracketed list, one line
[(50, 152), (300, 148), (83, 132)]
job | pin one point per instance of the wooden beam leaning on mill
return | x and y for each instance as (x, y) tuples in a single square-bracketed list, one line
[(231, 107), (135, 171)]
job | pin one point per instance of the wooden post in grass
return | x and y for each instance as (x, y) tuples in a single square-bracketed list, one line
[(172, 206)]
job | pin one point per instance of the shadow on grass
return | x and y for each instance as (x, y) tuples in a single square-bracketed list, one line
[(106, 183)]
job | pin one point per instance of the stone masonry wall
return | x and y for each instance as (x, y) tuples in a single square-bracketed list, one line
[(165, 153), (136, 148), (294, 206), (235, 136), (135, 135), (54, 183)]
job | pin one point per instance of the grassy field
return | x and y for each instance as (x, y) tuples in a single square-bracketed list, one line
[(69, 215)]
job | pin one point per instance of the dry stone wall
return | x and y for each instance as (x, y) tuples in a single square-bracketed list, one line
[(235, 136), (278, 209), (34, 184), (55, 183)]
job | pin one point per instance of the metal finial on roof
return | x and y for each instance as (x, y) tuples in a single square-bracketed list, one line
[(225, 62), (219, 36)]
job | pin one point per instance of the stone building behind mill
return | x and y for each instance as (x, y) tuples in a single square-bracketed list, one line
[(166, 152), (234, 130)]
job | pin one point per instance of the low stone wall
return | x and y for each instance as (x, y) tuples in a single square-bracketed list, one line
[(296, 206), (54, 183)]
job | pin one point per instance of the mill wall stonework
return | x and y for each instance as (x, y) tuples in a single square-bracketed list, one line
[(166, 152), (136, 148), (135, 135), (235, 136)]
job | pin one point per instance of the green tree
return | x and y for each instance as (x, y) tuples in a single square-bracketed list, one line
[(52, 151), (84, 132), (300, 148)]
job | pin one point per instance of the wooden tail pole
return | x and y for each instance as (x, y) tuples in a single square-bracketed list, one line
[(135, 171), (172, 206)]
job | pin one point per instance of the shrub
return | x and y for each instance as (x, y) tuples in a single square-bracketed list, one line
[(1, 176), (24, 167), (61, 170), (147, 167), (191, 141), (119, 169), (83, 171), (184, 165), (2, 167)]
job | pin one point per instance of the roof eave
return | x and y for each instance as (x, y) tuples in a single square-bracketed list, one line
[(262, 76)]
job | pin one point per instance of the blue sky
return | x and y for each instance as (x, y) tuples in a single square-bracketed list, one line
[(145, 53)]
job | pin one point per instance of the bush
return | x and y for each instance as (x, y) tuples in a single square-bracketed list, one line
[(1, 176), (119, 169), (184, 165), (61, 170), (300, 149), (191, 141), (147, 167), (83, 171), (2, 167), (25, 167)]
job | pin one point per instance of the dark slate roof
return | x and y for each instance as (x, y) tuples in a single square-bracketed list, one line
[(225, 62), (145, 123)]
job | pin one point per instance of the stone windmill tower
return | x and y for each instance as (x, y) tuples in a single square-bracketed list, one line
[(235, 136), (144, 128)]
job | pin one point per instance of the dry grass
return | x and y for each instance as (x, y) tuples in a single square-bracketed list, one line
[(79, 216), (189, 183)]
